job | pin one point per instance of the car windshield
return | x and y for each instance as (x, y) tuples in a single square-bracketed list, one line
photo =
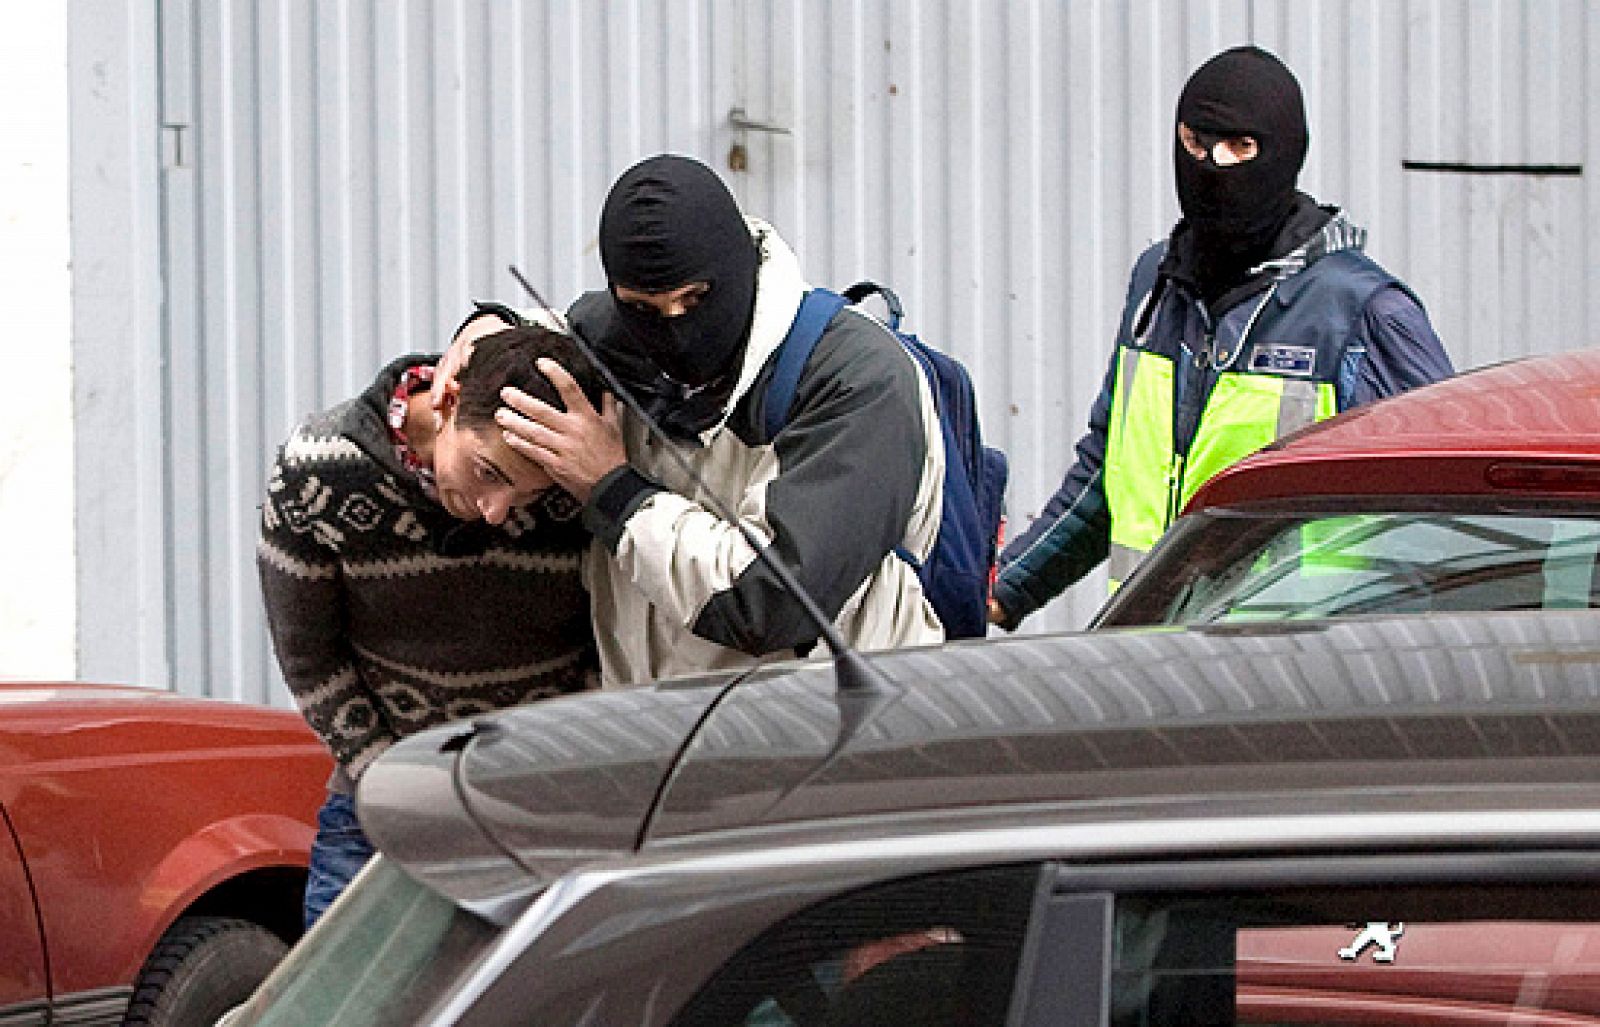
[(385, 950), (1232, 567)]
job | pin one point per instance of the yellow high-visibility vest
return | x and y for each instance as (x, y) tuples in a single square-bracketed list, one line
[(1146, 482)]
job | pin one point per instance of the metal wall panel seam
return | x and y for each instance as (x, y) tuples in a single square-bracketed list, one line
[(181, 224), (116, 252), (452, 206)]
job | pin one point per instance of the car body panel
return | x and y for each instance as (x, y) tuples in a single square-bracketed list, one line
[(1462, 748), (1294, 968), (631, 940), (22, 967), (414, 809), (225, 849), (483, 826), (1090, 717), (1445, 439), (129, 804), (1125, 716)]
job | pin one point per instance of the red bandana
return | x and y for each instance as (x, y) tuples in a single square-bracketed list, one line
[(415, 380)]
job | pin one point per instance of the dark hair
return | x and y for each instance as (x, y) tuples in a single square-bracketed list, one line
[(508, 358)]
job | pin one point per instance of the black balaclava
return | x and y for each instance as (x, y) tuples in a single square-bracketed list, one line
[(1235, 212), (668, 222)]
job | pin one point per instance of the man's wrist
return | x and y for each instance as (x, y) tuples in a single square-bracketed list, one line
[(613, 500), (1012, 604)]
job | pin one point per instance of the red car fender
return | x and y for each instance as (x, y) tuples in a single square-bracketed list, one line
[(219, 853)]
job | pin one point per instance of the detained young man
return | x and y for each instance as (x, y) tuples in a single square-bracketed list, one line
[(417, 570)]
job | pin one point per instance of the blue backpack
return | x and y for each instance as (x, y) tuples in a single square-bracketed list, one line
[(958, 571)]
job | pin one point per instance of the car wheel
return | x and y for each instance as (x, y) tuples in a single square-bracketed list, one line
[(201, 968)]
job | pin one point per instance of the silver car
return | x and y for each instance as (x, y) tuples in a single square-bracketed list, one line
[(1354, 821)]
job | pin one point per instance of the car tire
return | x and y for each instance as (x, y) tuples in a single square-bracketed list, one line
[(201, 968)]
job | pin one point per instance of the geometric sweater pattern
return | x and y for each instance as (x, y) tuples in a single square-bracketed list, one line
[(387, 614)]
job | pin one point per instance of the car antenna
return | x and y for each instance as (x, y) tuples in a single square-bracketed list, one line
[(853, 672)]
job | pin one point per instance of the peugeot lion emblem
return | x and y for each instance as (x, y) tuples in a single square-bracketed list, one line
[(1381, 934)]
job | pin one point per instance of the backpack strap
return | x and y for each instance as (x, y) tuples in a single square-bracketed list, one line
[(816, 311), (861, 290), (932, 376)]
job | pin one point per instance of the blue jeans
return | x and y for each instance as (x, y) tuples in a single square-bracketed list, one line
[(339, 852)]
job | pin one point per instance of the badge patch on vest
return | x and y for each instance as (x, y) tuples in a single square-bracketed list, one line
[(1299, 361)]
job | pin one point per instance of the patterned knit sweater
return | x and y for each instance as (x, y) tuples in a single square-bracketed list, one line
[(389, 615)]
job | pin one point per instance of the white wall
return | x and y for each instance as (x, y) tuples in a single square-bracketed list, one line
[(269, 199), (37, 597)]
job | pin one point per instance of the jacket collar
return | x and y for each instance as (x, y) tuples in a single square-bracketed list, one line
[(1311, 233), (779, 289), (1337, 233), (365, 420)]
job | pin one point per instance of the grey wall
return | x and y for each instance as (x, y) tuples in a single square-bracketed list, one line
[(299, 190)]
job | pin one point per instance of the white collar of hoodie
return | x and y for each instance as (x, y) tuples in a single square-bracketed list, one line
[(779, 289)]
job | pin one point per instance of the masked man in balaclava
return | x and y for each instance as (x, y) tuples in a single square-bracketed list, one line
[(699, 299), (1258, 315)]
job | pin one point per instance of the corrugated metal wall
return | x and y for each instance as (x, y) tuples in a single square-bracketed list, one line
[(340, 178)]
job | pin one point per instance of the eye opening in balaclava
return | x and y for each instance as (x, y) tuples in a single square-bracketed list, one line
[(1236, 211), (668, 222)]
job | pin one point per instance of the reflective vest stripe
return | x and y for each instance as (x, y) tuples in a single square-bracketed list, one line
[(1128, 364), (1120, 563), (1138, 445), (1299, 406)]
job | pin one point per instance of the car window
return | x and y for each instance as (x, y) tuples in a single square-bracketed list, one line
[(938, 951), (1434, 955), (1246, 569), (384, 951)]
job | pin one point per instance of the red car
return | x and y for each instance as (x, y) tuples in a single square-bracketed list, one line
[(153, 851), (1478, 493)]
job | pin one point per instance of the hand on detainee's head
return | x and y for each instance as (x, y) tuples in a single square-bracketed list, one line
[(478, 474), (681, 265), (509, 358), (485, 319)]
